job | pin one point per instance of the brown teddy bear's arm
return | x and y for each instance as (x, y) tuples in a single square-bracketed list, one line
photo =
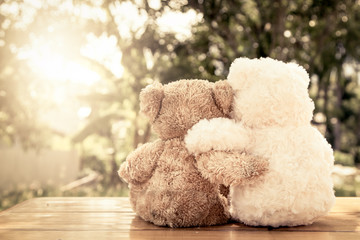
[(140, 163), (231, 167)]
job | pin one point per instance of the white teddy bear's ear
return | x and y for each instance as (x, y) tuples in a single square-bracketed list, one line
[(299, 72), (221, 134), (240, 71)]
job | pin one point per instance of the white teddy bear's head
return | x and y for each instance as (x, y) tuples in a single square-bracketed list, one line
[(270, 93)]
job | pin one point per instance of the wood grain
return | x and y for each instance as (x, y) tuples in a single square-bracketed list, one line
[(109, 218)]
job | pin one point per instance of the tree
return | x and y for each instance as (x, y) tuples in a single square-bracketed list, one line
[(319, 35)]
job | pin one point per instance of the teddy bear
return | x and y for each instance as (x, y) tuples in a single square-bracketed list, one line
[(165, 185), (271, 118)]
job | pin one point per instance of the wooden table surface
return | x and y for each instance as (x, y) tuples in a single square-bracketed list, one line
[(112, 218)]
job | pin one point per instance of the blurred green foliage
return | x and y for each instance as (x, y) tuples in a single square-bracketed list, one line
[(320, 35), (345, 159)]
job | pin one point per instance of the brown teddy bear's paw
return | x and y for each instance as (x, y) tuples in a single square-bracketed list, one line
[(231, 168)]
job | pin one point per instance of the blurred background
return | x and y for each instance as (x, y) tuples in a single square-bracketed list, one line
[(71, 72)]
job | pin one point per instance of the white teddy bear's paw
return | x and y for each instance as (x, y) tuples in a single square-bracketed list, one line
[(216, 134), (195, 140)]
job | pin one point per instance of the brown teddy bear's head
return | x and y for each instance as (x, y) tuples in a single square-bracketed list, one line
[(175, 107)]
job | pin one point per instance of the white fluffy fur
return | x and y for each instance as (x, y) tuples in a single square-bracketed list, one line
[(230, 136), (273, 107)]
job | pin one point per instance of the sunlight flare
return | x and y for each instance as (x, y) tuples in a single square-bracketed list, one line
[(56, 67)]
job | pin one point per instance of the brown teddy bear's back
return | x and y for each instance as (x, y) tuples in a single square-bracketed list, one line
[(177, 194)]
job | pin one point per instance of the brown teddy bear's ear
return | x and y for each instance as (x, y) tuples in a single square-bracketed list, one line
[(150, 100), (223, 96)]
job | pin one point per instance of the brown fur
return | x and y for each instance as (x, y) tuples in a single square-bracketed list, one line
[(240, 167), (166, 187)]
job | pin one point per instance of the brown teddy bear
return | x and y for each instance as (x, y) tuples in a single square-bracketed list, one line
[(166, 187)]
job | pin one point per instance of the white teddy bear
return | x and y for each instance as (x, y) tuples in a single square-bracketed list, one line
[(271, 119)]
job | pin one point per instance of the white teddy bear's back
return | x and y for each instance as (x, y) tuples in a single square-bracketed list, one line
[(297, 188)]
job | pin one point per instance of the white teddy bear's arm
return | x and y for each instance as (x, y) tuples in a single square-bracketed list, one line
[(217, 134)]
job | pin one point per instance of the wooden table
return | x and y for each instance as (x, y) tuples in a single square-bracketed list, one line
[(112, 218)]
